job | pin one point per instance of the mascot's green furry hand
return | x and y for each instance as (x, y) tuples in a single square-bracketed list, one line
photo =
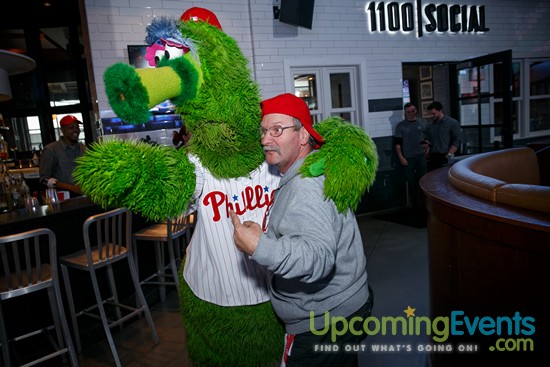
[(348, 159), (155, 181)]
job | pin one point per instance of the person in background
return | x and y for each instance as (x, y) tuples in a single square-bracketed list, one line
[(57, 161), (443, 137), (313, 253), (409, 134)]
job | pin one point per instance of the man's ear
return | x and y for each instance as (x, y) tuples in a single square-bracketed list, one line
[(304, 136)]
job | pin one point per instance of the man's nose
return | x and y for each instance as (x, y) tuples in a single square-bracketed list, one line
[(266, 138)]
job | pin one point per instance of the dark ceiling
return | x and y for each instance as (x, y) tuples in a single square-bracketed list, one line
[(39, 13), (49, 32)]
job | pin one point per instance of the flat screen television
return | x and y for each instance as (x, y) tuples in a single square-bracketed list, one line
[(136, 56), (297, 12)]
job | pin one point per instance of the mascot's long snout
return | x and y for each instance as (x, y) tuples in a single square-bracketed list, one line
[(133, 92)]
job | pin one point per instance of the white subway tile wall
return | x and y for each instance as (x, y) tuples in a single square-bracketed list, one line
[(340, 35)]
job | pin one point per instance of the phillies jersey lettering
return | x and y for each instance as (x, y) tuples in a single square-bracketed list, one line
[(252, 198), (215, 269)]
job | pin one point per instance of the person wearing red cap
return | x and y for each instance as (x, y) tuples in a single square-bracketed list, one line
[(57, 160), (313, 252)]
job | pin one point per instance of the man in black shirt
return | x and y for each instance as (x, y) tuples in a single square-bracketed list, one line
[(57, 160), (443, 137), (409, 133)]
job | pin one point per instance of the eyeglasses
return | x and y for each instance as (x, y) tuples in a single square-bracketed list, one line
[(274, 131)]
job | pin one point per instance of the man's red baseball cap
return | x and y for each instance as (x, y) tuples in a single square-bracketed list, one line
[(289, 104), (69, 119)]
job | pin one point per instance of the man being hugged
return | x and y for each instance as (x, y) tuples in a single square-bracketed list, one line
[(313, 252)]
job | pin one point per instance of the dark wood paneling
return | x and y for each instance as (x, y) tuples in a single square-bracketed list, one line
[(486, 260)]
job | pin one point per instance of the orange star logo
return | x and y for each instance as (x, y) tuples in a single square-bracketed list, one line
[(409, 311)]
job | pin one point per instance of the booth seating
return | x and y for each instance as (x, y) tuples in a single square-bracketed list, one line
[(489, 254), (509, 177)]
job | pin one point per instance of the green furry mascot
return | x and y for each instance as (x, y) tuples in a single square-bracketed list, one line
[(224, 301)]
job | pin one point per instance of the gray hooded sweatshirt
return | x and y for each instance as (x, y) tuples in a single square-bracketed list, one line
[(313, 253)]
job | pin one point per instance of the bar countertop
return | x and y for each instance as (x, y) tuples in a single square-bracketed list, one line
[(65, 219), (20, 216)]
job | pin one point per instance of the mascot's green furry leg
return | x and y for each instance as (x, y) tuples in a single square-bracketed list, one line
[(237, 336)]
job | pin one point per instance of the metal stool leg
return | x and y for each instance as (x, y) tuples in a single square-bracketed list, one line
[(159, 256), (142, 300), (72, 311), (4, 340), (114, 293), (173, 266), (104, 320)]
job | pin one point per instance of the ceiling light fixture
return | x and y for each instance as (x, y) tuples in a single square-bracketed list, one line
[(12, 63)]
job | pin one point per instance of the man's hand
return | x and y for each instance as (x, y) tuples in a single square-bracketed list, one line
[(426, 146), (246, 235), (65, 186)]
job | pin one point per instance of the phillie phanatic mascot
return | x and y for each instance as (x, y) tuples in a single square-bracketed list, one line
[(224, 300)]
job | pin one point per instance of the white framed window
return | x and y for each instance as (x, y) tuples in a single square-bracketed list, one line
[(33, 125), (517, 101), (530, 98), (329, 91), (538, 97)]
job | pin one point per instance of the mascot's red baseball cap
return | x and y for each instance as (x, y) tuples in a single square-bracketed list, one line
[(67, 120), (203, 14), (289, 104)]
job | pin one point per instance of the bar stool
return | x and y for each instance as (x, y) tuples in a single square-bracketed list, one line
[(191, 220), (25, 270), (107, 240), (166, 233)]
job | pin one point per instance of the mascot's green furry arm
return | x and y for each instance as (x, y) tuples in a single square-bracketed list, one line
[(348, 159)]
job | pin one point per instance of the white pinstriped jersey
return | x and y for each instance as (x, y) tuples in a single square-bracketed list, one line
[(215, 269)]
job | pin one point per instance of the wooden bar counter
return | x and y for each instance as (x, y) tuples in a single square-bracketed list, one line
[(65, 219), (487, 260)]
